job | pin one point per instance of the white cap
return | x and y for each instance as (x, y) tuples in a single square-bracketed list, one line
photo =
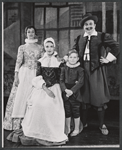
[(49, 39)]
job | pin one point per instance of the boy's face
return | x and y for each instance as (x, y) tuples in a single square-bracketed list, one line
[(89, 26), (73, 58), (49, 47)]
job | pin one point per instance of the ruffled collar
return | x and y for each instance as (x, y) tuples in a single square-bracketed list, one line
[(73, 66), (31, 41)]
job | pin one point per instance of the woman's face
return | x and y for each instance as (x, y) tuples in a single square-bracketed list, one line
[(49, 48), (89, 26), (30, 33), (73, 58)]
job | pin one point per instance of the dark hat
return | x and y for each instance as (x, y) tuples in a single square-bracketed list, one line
[(88, 17)]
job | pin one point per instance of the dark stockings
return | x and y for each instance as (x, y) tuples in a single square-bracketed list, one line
[(101, 115), (84, 116)]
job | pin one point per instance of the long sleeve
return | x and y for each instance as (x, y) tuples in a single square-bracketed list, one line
[(41, 51), (62, 79), (20, 57), (80, 81), (75, 46), (112, 44)]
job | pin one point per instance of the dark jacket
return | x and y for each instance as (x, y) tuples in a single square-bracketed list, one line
[(97, 45), (73, 79)]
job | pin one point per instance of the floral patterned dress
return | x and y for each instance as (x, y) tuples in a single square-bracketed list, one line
[(26, 65)]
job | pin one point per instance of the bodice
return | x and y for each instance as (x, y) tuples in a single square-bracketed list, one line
[(28, 55), (31, 55), (51, 75)]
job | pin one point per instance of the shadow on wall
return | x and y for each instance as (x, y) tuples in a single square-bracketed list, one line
[(12, 39)]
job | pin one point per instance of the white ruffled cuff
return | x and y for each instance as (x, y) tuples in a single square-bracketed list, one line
[(111, 57), (37, 82)]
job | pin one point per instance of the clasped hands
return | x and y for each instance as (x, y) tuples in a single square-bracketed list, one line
[(68, 92)]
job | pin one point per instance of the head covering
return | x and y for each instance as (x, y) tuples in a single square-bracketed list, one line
[(88, 17), (72, 51), (50, 39)]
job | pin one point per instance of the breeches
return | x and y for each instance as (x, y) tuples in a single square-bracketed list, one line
[(72, 108)]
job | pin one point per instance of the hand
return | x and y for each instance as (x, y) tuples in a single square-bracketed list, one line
[(68, 92), (104, 60), (65, 58), (50, 93), (16, 79)]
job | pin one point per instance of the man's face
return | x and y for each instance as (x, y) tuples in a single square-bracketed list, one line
[(89, 26)]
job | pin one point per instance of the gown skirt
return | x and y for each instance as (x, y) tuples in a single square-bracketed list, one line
[(44, 121), (16, 105)]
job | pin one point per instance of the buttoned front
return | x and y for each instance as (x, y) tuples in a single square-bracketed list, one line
[(72, 74)]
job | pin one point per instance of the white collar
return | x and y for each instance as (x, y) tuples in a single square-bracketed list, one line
[(45, 56), (93, 33), (30, 41), (73, 66)]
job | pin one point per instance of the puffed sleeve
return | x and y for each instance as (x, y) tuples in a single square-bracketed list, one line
[(80, 81), (113, 45), (62, 79), (38, 81), (20, 57), (41, 51)]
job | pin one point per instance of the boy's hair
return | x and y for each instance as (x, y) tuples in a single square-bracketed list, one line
[(73, 51)]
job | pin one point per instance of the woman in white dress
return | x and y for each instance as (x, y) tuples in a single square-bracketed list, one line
[(25, 71), (44, 121)]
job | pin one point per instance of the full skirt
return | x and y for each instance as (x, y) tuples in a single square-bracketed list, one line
[(44, 121), (16, 105)]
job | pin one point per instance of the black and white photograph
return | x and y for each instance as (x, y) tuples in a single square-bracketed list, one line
[(61, 74)]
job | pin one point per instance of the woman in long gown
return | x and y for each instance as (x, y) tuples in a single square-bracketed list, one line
[(44, 121), (25, 71)]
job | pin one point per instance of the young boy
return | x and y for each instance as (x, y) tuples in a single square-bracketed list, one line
[(71, 80)]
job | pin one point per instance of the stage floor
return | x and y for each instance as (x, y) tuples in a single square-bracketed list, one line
[(91, 135)]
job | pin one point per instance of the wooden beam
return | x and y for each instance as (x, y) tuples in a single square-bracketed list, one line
[(114, 21), (103, 16)]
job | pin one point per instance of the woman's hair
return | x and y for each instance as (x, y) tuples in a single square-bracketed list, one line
[(73, 51), (29, 27)]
